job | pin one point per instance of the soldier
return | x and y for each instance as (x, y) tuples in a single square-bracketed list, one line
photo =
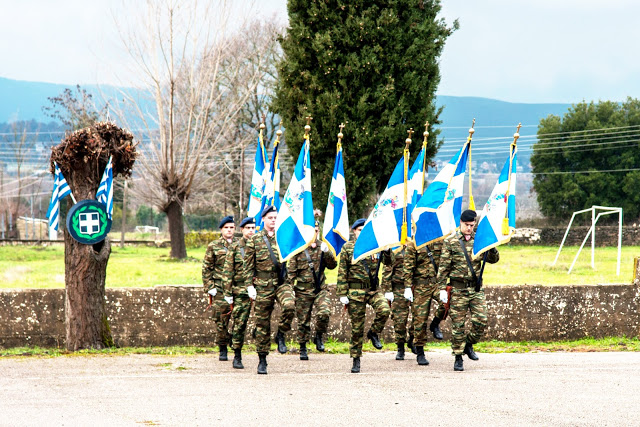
[(307, 270), (212, 269), (357, 287), (420, 270), (400, 299), (235, 291), (466, 293), (266, 282)]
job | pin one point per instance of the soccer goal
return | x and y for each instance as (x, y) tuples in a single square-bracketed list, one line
[(595, 216)]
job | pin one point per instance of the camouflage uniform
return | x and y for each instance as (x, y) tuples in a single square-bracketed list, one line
[(354, 282), (420, 275), (212, 275), (260, 272), (453, 265), (298, 270), (393, 281), (234, 286)]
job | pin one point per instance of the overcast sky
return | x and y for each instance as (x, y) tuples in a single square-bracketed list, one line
[(521, 51)]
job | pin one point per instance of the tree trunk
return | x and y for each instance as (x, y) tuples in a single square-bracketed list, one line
[(85, 273), (176, 230)]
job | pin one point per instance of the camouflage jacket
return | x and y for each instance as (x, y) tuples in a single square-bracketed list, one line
[(353, 273), (298, 267), (453, 263), (392, 275), (213, 265), (233, 272), (417, 263), (258, 267)]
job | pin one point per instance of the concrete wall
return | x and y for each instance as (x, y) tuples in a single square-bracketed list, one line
[(552, 236), (174, 315)]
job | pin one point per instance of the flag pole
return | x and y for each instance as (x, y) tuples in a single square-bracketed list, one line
[(403, 230), (340, 136), (424, 147), (261, 139), (472, 205), (275, 162), (505, 220)]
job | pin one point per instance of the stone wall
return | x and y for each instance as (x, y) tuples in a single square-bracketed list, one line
[(174, 315), (552, 236)]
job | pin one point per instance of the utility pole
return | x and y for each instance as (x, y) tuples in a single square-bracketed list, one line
[(124, 214)]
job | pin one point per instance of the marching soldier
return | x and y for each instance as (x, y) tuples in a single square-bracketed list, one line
[(420, 270), (400, 299), (266, 281), (235, 291), (212, 274), (357, 287), (467, 294), (306, 269)]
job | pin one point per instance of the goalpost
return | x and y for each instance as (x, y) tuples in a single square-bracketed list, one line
[(592, 232)]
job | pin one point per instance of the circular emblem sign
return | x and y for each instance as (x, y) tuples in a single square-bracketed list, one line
[(87, 222)]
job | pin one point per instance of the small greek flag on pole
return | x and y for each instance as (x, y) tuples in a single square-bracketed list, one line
[(257, 180), (105, 189), (335, 231), (60, 191)]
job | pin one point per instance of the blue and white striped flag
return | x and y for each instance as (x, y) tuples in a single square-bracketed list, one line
[(335, 231), (383, 229), (271, 176), (60, 191), (437, 213), (498, 220), (105, 189), (295, 225), (257, 182), (415, 185)]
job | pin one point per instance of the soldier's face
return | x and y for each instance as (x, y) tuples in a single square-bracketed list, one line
[(466, 227), (227, 230), (269, 221), (248, 230), (357, 230)]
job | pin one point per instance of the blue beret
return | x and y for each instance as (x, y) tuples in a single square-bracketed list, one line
[(226, 220), (270, 208), (247, 220), (358, 223), (468, 216)]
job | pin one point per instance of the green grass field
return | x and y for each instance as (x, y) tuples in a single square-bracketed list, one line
[(43, 267)]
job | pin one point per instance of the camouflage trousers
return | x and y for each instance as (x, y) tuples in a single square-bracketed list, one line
[(306, 298), (221, 315), (423, 293), (241, 312), (463, 300), (400, 309), (358, 300), (265, 302)]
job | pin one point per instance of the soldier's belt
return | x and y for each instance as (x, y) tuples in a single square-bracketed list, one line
[(359, 285), (267, 275), (462, 283)]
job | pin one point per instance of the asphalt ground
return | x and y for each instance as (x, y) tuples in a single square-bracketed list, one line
[(500, 389)]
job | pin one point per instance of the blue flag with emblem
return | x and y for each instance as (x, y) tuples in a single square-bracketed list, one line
[(271, 194), (60, 191), (105, 189), (295, 225), (335, 231), (257, 182)]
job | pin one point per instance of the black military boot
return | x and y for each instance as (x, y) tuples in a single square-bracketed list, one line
[(457, 365), (374, 339), (400, 353), (282, 347), (237, 359), (303, 351), (319, 341), (223, 353), (468, 350), (356, 365), (262, 364), (411, 346), (422, 361), (435, 328)]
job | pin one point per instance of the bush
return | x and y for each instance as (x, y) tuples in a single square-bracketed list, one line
[(197, 239)]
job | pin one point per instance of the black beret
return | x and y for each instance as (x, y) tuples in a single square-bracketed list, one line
[(226, 220), (468, 216), (247, 220), (270, 208), (358, 223)]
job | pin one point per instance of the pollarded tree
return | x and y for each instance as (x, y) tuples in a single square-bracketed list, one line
[(373, 64), (589, 157)]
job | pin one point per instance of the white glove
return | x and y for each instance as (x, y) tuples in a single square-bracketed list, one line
[(389, 296), (408, 294), (252, 292), (344, 300), (324, 247), (213, 292), (229, 300), (443, 296)]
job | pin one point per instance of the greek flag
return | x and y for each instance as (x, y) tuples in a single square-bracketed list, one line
[(271, 194), (383, 228), (437, 213), (415, 185), (335, 231), (295, 225), (60, 191), (257, 181), (105, 189), (498, 219)]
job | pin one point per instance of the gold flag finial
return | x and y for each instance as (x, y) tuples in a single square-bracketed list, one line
[(408, 140), (517, 134), (426, 131), (340, 134)]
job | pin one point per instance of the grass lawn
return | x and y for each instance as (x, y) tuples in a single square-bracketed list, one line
[(43, 267)]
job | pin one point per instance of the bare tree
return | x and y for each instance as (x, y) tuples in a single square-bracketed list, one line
[(74, 110)]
